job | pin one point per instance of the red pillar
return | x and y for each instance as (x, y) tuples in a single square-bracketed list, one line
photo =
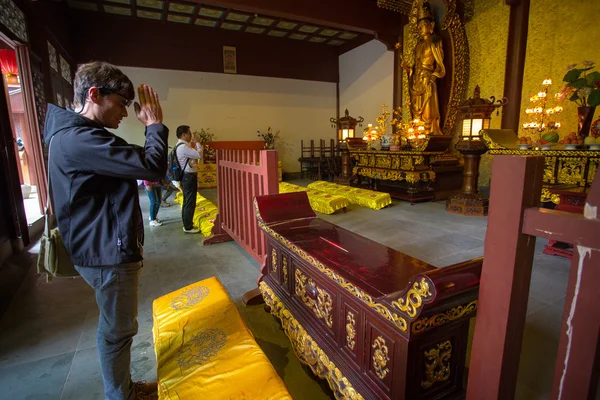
[(505, 278)]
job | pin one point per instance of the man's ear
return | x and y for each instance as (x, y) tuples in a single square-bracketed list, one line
[(94, 95)]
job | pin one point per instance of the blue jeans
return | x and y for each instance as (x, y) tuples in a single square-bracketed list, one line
[(154, 196), (116, 288)]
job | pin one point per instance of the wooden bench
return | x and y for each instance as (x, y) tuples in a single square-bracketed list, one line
[(205, 351)]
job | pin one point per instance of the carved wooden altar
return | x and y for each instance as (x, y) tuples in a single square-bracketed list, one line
[(376, 323), (426, 173), (561, 166)]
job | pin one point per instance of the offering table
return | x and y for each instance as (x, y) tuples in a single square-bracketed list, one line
[(427, 172), (376, 323)]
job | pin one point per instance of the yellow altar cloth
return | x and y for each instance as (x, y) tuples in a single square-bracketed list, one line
[(322, 202), (204, 215), (207, 175), (205, 351), (361, 197)]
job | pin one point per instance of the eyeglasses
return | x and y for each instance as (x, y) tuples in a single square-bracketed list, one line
[(106, 92)]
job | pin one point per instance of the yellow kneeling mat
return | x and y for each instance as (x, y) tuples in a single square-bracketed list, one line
[(205, 351)]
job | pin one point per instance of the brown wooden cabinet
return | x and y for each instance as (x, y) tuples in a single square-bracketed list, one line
[(374, 322)]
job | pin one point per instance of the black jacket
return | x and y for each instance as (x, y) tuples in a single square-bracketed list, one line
[(93, 178)]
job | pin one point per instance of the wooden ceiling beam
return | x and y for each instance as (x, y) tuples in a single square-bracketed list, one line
[(358, 15)]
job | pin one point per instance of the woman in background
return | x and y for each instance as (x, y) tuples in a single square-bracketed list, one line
[(153, 190)]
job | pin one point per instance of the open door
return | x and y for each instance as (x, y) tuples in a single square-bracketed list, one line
[(10, 191)]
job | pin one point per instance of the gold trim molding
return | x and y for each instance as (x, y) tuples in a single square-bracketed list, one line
[(307, 350), (453, 314), (437, 364), (414, 298)]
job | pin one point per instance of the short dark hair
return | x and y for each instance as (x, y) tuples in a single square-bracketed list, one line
[(105, 76), (181, 130)]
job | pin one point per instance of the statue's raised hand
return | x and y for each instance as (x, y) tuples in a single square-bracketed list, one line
[(148, 110)]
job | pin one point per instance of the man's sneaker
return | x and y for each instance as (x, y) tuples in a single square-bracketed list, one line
[(165, 204), (146, 390), (155, 223), (158, 220), (193, 230)]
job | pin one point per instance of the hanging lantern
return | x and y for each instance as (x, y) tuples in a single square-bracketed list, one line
[(9, 66)]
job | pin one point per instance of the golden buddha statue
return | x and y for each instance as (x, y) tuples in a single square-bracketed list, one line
[(427, 67)]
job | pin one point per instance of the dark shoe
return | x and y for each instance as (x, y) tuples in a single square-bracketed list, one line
[(146, 390)]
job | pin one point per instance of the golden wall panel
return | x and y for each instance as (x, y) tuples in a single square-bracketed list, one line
[(560, 33), (487, 34)]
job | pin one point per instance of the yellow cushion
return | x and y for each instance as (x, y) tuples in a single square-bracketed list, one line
[(325, 203), (358, 196), (205, 351)]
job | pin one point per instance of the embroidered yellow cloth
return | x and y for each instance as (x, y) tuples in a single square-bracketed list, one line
[(205, 351), (322, 202), (204, 214), (361, 197), (207, 175)]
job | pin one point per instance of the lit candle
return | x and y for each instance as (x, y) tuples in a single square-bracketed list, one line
[(541, 94), (421, 128), (557, 124), (547, 82), (411, 130)]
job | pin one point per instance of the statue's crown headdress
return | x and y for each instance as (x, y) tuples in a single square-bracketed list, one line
[(425, 12)]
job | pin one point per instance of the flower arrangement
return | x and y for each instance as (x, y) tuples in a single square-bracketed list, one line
[(269, 137), (582, 85), (204, 136)]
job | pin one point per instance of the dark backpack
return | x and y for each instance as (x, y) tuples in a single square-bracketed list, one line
[(174, 170)]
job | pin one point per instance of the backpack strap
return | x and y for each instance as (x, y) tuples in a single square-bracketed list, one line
[(177, 158)]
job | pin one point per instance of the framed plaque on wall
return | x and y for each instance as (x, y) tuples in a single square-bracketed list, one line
[(229, 61)]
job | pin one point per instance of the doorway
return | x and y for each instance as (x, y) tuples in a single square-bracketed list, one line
[(24, 135)]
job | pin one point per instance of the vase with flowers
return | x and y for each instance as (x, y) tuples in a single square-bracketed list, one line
[(204, 137), (269, 137), (582, 86)]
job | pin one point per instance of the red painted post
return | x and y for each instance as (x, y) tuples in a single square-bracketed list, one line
[(505, 278)]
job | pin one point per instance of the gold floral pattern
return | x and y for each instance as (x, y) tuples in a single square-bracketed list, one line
[(380, 357), (189, 298), (201, 347), (322, 307), (435, 320), (350, 330), (284, 268), (274, 260)]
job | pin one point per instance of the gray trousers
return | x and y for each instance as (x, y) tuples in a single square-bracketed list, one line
[(116, 288)]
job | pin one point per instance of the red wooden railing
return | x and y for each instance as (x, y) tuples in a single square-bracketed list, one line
[(242, 175), (514, 222)]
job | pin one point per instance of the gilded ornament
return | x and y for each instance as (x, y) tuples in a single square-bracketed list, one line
[(274, 260), (453, 314), (593, 166), (322, 308), (489, 142), (380, 357), (350, 330), (414, 298), (285, 269), (570, 171), (398, 321), (437, 364), (549, 168), (406, 163), (307, 350), (546, 195)]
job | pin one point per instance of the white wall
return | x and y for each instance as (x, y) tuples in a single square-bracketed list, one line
[(234, 107), (366, 81)]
